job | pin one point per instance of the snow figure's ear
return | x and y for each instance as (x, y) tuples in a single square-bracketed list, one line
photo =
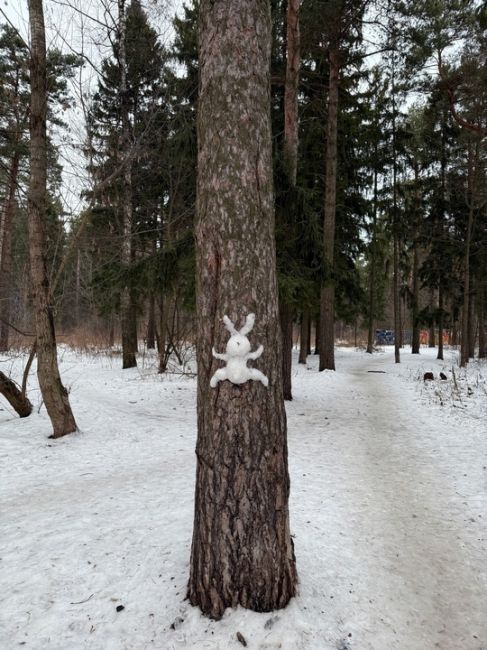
[(229, 325), (249, 323)]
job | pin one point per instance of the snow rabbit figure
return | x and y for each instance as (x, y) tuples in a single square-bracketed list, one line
[(237, 354)]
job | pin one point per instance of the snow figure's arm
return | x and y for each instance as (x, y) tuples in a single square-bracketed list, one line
[(249, 323), (218, 355), (229, 325), (256, 354)]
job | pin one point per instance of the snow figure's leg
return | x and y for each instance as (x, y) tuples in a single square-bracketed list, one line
[(220, 375), (255, 355), (257, 375)]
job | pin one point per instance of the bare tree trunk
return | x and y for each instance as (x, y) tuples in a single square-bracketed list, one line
[(304, 338), (53, 392), (317, 334), (293, 62), (482, 314), (286, 321), (440, 322), (242, 551), (78, 288), (415, 342), (464, 343), (151, 324), (372, 275), (162, 336), (327, 333), (6, 254), (472, 326), (431, 335), (126, 303), (15, 397)]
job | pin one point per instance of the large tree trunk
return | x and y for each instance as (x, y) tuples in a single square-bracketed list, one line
[(327, 320), (6, 254), (53, 392), (129, 359), (305, 336), (291, 158), (242, 552)]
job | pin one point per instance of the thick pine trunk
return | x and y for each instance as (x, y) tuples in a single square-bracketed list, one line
[(327, 333), (305, 336), (242, 552), (53, 392)]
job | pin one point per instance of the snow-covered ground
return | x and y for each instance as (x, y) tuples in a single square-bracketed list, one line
[(388, 513)]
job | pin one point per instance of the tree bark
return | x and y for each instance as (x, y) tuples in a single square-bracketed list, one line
[(162, 336), (482, 314), (242, 552), (151, 324), (440, 322), (304, 338), (291, 157), (15, 397), (293, 64), (472, 326), (286, 320), (431, 335), (415, 343), (129, 359), (6, 254), (317, 334), (327, 334), (464, 342), (53, 392)]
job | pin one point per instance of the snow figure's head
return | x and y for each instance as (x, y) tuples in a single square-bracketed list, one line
[(238, 344)]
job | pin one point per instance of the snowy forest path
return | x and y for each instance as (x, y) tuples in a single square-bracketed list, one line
[(400, 509)]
